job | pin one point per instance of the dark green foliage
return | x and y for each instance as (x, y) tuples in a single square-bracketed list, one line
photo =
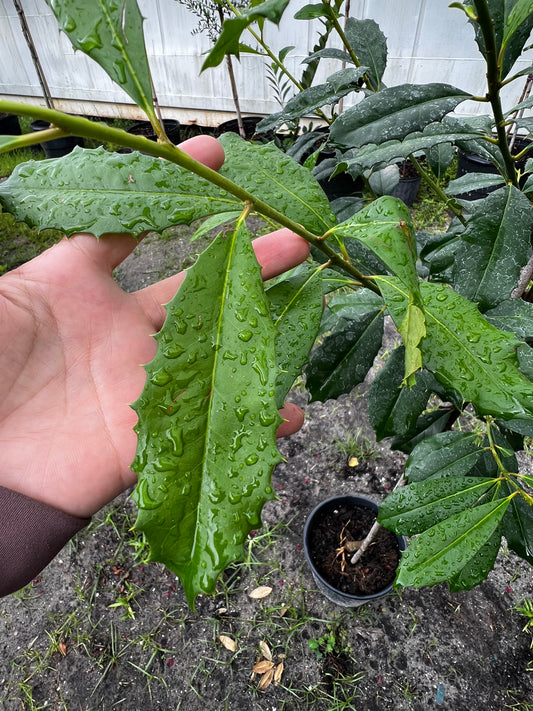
[(228, 352)]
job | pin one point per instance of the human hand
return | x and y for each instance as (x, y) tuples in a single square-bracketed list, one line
[(72, 347)]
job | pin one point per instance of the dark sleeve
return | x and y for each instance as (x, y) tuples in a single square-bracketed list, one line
[(31, 534)]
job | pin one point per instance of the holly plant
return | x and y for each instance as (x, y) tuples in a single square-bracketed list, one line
[(456, 395)]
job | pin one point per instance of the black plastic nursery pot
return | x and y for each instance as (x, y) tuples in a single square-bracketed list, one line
[(249, 124), (145, 129), (58, 147), (408, 185), (190, 130), (472, 163), (407, 190), (332, 529), (9, 125), (341, 185)]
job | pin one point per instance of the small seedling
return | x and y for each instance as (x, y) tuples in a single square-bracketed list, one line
[(323, 645)]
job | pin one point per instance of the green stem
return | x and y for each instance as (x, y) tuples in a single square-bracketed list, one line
[(269, 53), (78, 126), (494, 450), (347, 46), (434, 185), (494, 85), (266, 48)]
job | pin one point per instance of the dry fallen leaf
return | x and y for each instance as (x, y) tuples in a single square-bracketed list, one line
[(228, 642), (260, 592), (262, 667), (354, 462), (62, 648), (278, 672), (266, 680), (265, 650)]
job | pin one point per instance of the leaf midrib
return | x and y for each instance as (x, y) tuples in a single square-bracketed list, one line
[(460, 539)]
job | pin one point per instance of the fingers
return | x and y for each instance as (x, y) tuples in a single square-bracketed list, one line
[(276, 253), (294, 419), (111, 249), (108, 251), (280, 251), (206, 150)]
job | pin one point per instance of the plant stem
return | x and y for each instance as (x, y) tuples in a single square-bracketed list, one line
[(232, 81), (526, 274), (486, 24), (269, 53), (78, 126), (433, 184), (493, 448), (347, 46), (374, 530)]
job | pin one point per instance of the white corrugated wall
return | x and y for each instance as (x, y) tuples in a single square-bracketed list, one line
[(427, 41)]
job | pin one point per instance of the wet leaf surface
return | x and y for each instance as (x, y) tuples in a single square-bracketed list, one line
[(208, 418), (111, 33)]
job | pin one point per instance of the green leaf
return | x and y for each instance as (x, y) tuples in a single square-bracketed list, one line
[(346, 354), (267, 172), (394, 113), (442, 551), (373, 155), (473, 181), (385, 180), (296, 309), (328, 53), (439, 158), (521, 106), (511, 27), (416, 507), (513, 315), (111, 33), (446, 454), (466, 353), (477, 569), (385, 227), (98, 192), (428, 424), (520, 15), (208, 418), (213, 222), (518, 528), (370, 46), (494, 247), (393, 410), (346, 207), (229, 39), (307, 101), (311, 12)]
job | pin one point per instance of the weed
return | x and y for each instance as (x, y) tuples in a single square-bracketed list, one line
[(128, 593), (517, 702), (357, 446), (430, 214)]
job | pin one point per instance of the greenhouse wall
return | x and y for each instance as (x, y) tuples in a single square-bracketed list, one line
[(427, 42)]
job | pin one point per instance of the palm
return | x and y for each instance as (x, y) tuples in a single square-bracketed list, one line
[(73, 344), (70, 362)]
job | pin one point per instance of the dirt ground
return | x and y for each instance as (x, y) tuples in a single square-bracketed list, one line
[(102, 629)]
